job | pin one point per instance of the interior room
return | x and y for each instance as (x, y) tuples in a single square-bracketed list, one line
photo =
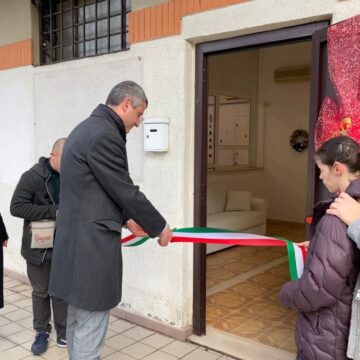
[(258, 119)]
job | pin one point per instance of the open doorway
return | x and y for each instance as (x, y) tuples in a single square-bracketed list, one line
[(263, 78), (256, 183)]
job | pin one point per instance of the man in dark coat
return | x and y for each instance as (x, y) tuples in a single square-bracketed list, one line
[(3, 242), (36, 197), (324, 293), (97, 198)]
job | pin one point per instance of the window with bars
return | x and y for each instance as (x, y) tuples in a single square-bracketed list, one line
[(72, 29)]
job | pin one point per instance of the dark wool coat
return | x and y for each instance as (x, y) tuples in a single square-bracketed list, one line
[(97, 196), (33, 200), (324, 293), (3, 237)]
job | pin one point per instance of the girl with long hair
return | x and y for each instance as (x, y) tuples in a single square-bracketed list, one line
[(324, 293)]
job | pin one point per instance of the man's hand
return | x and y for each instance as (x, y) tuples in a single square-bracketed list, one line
[(5, 242), (135, 228), (165, 237), (346, 208)]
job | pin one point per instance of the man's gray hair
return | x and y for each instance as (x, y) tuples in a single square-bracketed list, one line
[(127, 89)]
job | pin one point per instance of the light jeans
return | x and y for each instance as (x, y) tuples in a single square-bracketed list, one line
[(86, 332)]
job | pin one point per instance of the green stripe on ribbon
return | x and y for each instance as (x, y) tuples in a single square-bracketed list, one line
[(138, 242), (203, 230), (292, 260)]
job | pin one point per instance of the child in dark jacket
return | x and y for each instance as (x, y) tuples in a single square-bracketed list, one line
[(323, 294)]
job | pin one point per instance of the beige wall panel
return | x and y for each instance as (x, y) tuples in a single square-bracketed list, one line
[(141, 4), (15, 21)]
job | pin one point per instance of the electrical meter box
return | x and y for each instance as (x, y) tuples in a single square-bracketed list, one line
[(156, 134)]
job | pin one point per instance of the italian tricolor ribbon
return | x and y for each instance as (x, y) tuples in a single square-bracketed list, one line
[(200, 235)]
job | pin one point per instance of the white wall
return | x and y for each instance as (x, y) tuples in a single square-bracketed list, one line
[(261, 15), (89, 87), (234, 74), (16, 150), (345, 9), (285, 171)]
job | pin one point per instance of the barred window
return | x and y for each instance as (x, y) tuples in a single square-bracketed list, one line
[(72, 29)]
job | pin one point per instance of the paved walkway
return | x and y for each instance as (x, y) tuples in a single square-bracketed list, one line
[(124, 340)]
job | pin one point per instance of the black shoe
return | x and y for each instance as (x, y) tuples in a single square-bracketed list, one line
[(61, 343), (41, 343)]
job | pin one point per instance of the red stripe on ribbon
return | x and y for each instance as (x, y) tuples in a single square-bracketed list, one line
[(244, 242), (128, 238), (303, 252)]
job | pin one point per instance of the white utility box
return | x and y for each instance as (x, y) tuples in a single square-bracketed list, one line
[(156, 134)]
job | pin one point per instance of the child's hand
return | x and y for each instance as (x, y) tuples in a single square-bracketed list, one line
[(305, 244)]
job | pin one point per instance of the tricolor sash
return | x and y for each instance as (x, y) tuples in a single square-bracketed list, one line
[(200, 235)]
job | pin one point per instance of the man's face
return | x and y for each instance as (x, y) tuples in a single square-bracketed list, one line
[(56, 159), (132, 116)]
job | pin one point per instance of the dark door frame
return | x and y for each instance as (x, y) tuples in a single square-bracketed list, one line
[(321, 86), (288, 35)]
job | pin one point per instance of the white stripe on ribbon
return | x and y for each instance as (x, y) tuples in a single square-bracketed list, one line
[(222, 236), (299, 260)]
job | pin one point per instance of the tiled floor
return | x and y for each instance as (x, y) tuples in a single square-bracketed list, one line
[(124, 340), (243, 299)]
